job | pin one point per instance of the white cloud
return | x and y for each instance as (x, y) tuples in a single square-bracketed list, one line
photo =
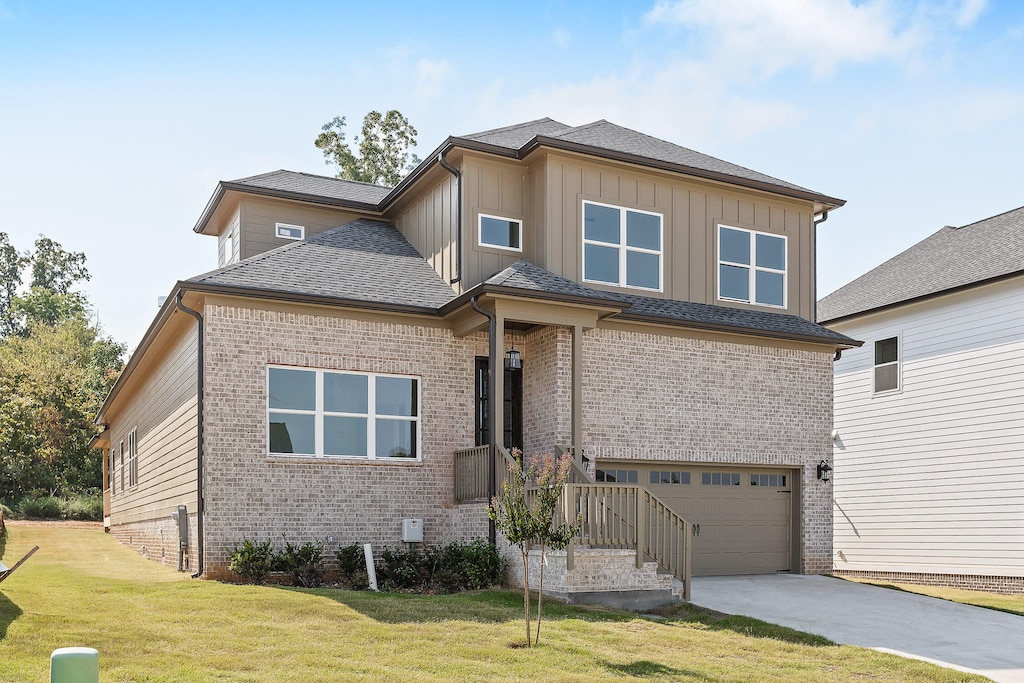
[(561, 37), (766, 36), (969, 12), (431, 76)]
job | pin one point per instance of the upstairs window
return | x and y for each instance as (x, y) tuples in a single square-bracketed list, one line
[(503, 233), (751, 267), (887, 365), (289, 232), (622, 246), (322, 413)]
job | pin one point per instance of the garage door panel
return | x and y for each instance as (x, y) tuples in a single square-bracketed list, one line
[(738, 528)]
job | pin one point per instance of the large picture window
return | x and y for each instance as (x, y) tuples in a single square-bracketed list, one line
[(751, 267), (323, 413), (622, 246)]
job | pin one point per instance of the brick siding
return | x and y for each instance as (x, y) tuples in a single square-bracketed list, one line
[(1008, 585)]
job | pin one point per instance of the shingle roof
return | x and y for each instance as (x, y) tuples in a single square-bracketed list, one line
[(949, 259), (605, 136), (314, 186), (532, 279), (515, 136), (364, 261)]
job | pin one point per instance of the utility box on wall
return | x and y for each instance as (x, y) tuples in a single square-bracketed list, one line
[(412, 530)]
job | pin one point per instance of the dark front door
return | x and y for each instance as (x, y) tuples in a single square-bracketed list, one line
[(513, 406)]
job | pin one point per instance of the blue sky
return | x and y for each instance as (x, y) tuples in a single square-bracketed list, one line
[(118, 119)]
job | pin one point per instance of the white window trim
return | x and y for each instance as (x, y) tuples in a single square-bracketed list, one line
[(371, 417), (751, 267), (898, 363), (622, 248), (300, 228), (133, 459), (480, 232)]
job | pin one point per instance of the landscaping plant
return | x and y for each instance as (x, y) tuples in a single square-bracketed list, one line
[(251, 560)]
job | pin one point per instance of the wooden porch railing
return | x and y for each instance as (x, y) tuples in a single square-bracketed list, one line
[(471, 473), (624, 516), (630, 517), (579, 474)]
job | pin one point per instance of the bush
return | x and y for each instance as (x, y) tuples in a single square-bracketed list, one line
[(44, 507), (84, 507), (252, 561), (304, 563), (445, 569), (352, 566), (8, 513)]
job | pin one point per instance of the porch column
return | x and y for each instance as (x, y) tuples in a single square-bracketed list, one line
[(577, 389)]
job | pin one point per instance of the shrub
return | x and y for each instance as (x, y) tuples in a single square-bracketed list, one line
[(43, 507), (8, 513), (352, 566), (252, 561), (84, 507), (445, 569), (304, 563)]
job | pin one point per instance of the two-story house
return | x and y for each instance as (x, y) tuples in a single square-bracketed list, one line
[(929, 414), (588, 289)]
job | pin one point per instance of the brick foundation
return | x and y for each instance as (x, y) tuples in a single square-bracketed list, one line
[(1007, 585)]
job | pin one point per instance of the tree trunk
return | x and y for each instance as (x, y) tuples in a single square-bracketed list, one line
[(540, 593), (526, 591)]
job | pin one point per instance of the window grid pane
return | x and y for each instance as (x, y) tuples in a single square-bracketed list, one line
[(622, 247)]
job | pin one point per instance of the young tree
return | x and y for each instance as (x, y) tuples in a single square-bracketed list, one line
[(383, 148), (524, 511)]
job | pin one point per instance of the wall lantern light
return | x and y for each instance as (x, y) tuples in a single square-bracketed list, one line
[(823, 470), (513, 360)]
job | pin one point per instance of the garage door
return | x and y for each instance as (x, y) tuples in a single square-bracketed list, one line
[(742, 517)]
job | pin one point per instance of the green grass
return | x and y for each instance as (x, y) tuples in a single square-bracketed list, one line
[(153, 624), (1014, 604)]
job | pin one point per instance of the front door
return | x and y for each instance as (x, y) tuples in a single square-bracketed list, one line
[(513, 406)]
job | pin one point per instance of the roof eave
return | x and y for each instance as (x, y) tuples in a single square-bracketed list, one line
[(300, 298), (923, 297), (745, 331), (484, 288), (828, 203)]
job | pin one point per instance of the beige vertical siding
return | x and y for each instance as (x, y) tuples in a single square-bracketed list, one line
[(692, 211), (428, 222), (258, 217), (928, 479), (162, 409)]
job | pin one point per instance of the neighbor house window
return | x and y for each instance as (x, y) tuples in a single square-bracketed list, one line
[(323, 413), (751, 267), (110, 469), (887, 365), (504, 233), (133, 459), (622, 246), (289, 232), (120, 464)]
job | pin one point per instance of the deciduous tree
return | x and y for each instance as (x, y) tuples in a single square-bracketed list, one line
[(383, 148)]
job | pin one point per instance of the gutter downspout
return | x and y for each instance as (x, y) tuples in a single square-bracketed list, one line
[(458, 215), (491, 407), (199, 437), (815, 224)]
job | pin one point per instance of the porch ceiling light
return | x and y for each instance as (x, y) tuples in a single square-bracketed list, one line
[(823, 470), (513, 359)]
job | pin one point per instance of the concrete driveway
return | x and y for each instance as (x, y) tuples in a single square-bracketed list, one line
[(962, 637)]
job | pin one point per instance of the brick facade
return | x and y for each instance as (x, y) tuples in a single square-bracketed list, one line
[(682, 399), (1007, 585), (157, 539), (249, 494)]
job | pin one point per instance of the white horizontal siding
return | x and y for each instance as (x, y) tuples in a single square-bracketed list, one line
[(931, 478)]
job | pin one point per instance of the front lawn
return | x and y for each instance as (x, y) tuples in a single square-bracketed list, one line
[(153, 624)]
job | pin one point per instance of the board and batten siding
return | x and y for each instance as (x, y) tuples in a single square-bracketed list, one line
[(259, 216), (428, 223), (692, 211), (928, 479), (163, 411)]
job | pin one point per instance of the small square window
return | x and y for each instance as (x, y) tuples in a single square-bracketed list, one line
[(289, 232), (504, 233)]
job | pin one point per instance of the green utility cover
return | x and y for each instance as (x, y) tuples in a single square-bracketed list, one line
[(75, 665)]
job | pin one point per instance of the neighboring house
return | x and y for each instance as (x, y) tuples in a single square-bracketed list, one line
[(334, 377), (929, 414)]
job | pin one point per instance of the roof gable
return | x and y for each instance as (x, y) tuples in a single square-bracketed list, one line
[(364, 261), (949, 259)]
